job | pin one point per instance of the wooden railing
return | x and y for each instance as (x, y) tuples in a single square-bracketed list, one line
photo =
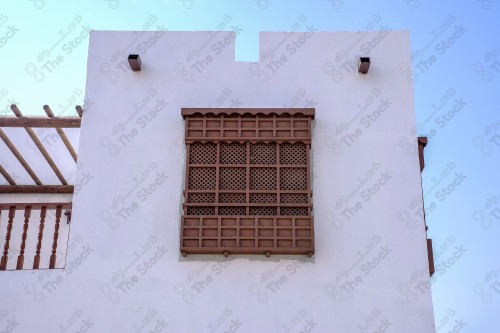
[(45, 212)]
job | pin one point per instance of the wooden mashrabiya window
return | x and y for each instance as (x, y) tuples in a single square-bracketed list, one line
[(248, 187)]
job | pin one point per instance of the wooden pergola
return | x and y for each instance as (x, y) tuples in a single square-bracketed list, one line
[(28, 123), (58, 123)]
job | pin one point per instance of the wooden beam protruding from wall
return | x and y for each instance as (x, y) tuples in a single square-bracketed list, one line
[(79, 110)]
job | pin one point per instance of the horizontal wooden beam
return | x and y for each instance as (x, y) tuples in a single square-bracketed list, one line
[(37, 122), (35, 205), (49, 189)]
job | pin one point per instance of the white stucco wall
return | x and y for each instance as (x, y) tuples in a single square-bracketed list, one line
[(369, 272)]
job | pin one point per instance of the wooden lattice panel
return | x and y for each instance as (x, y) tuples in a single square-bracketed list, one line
[(248, 187)]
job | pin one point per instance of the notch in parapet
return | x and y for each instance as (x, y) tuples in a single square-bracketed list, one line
[(134, 60), (363, 65)]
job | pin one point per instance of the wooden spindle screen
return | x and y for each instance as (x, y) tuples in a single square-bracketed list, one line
[(32, 214), (247, 187)]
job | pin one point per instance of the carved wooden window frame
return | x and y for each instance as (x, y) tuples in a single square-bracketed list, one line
[(247, 185)]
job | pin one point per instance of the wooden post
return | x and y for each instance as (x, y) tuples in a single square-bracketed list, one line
[(20, 258), (43, 214), (52, 263), (12, 214)]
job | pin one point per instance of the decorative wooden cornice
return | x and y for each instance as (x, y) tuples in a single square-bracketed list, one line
[(248, 111)]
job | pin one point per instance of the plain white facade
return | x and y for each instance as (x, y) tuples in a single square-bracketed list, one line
[(124, 270)]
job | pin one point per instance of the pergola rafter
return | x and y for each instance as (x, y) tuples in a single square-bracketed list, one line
[(40, 146), (28, 123), (19, 157), (6, 175), (61, 133)]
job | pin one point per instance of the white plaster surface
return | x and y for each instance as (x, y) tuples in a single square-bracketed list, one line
[(109, 288)]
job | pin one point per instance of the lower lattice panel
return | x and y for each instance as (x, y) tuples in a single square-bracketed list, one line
[(247, 235)]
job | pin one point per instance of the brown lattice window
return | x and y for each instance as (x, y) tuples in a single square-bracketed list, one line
[(248, 186)]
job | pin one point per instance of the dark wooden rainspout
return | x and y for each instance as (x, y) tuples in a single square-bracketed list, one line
[(247, 187)]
